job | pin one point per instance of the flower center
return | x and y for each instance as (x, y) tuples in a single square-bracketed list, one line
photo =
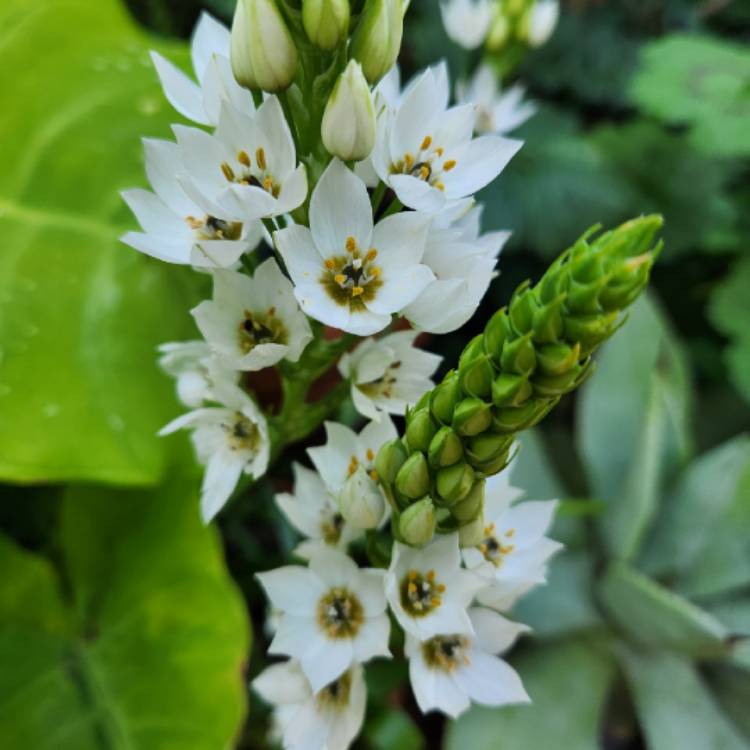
[(421, 594), (446, 652), (331, 529), (261, 328), (353, 278), (340, 614), (211, 228), (243, 433), (382, 386), (492, 548), (427, 165), (244, 173), (368, 464), (336, 694)]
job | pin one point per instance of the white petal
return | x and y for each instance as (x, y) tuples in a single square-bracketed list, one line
[(372, 639), (482, 161), (371, 591), (222, 473), (295, 243), (417, 194), (293, 589), (282, 684), (335, 569), (210, 37), (490, 681), (326, 661), (493, 633), (183, 94)]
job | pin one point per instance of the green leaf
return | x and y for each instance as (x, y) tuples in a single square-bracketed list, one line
[(632, 425), (675, 708), (729, 311), (700, 81), (394, 729), (559, 715), (701, 539), (731, 687), (139, 644), (80, 314), (654, 616)]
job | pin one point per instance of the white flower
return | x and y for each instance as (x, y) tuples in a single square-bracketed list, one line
[(542, 21), (248, 169), (195, 369), (388, 374), (176, 228), (314, 513), (201, 102), (428, 590), (425, 151), (346, 273), (467, 22), (463, 262), (514, 554), (328, 720), (345, 451), (229, 440), (253, 322), (333, 615), (448, 672), (496, 112)]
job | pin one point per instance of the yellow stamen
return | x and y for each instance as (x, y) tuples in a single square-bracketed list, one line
[(193, 223), (372, 253), (357, 291), (431, 576), (440, 186), (339, 278), (424, 172), (268, 184), (228, 172), (409, 161), (351, 244), (329, 264), (373, 475), (260, 157), (370, 454), (439, 151), (411, 588), (412, 575), (450, 164), (426, 143), (375, 272), (441, 588), (436, 601), (243, 158), (510, 532)]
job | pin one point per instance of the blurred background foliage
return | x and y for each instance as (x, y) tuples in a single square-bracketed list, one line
[(121, 622)]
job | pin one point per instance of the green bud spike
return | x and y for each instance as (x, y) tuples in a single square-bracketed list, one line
[(510, 390), (445, 448), (472, 416), (416, 524), (472, 506), (519, 355), (487, 447), (495, 334), (390, 459), (454, 483), (511, 419), (444, 398), (413, 478), (420, 429), (555, 359)]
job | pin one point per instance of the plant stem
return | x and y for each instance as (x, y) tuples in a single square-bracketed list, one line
[(377, 196), (394, 208)]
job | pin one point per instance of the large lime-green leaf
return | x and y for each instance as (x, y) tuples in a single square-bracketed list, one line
[(80, 314), (632, 425), (702, 81), (138, 646)]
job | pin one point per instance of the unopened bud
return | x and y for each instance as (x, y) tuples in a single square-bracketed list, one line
[(455, 482), (326, 22), (361, 501), (262, 51), (471, 417), (417, 523), (420, 429), (499, 33), (555, 359), (472, 533), (472, 506), (390, 459), (413, 479), (541, 21), (445, 397), (445, 448), (377, 39), (348, 127)]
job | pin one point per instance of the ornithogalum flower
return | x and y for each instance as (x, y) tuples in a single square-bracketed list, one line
[(347, 273), (229, 439), (450, 671), (253, 322), (388, 374), (248, 169), (332, 615), (425, 151), (176, 228), (314, 512), (467, 22)]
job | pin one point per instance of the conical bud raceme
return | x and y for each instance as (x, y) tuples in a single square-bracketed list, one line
[(263, 53), (361, 501), (348, 128), (416, 525), (377, 38), (530, 354), (326, 22)]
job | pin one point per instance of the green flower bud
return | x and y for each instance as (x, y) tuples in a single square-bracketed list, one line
[(445, 397), (499, 34), (420, 429), (555, 359), (445, 448), (348, 127), (417, 523), (522, 309), (377, 38), (510, 419), (495, 334), (472, 506), (475, 371), (326, 22), (518, 355), (557, 385), (390, 459), (490, 468), (472, 416), (510, 390), (472, 533), (590, 330), (361, 501), (455, 482), (487, 447), (262, 50), (548, 321), (413, 478)]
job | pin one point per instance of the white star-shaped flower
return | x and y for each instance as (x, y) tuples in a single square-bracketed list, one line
[(176, 228), (314, 513), (428, 590), (253, 322), (497, 112), (388, 374), (425, 151), (330, 719), (514, 554), (201, 101), (347, 273), (196, 370), (333, 615), (229, 439), (467, 22), (448, 672), (247, 169)]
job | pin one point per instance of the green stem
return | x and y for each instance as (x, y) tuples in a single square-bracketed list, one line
[(377, 196), (394, 208)]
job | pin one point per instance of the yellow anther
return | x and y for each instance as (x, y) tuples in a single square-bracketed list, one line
[(375, 272), (243, 158), (412, 575), (431, 576), (228, 171), (372, 253), (409, 161), (193, 223), (373, 475), (483, 549), (260, 157), (329, 264), (351, 244), (440, 186), (424, 172), (441, 588), (268, 184), (435, 601), (411, 588), (450, 164), (339, 278), (426, 143), (439, 151), (358, 291), (509, 533), (370, 454)]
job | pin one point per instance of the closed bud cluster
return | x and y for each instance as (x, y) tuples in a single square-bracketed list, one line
[(377, 38), (520, 24), (508, 378), (326, 22)]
